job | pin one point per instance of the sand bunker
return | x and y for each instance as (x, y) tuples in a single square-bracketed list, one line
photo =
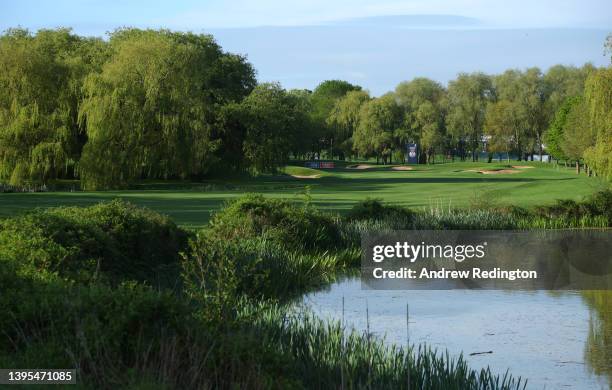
[(402, 168), (306, 176), (500, 172), (494, 171), (522, 166), (361, 166)]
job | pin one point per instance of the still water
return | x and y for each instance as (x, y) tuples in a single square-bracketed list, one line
[(557, 340)]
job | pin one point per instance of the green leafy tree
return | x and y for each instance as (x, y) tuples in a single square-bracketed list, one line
[(378, 120), (323, 100), (532, 99), (554, 136), (423, 107), (468, 97), (429, 119), (526, 94), (150, 111), (562, 82), (40, 79), (578, 134), (502, 124), (344, 118), (598, 97), (274, 120)]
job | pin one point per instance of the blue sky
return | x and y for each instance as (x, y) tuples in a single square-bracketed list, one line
[(374, 43)]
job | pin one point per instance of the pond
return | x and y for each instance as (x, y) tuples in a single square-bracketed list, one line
[(554, 339)]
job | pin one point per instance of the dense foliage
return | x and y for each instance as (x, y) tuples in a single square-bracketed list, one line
[(222, 323), (110, 242), (279, 220), (157, 104)]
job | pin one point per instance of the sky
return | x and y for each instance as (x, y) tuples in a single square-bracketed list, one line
[(376, 44)]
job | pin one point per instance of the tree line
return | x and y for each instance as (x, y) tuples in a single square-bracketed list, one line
[(165, 105)]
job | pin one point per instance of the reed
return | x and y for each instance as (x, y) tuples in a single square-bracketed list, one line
[(328, 356)]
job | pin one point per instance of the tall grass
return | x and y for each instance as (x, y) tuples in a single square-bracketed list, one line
[(259, 268), (593, 213), (327, 356)]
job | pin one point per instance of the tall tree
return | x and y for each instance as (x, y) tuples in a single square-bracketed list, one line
[(578, 134), (422, 103), (509, 111), (554, 138), (598, 96), (378, 120), (323, 100), (526, 94), (532, 99), (274, 121), (468, 97), (150, 111), (40, 90), (502, 124), (344, 118), (562, 82), (429, 119)]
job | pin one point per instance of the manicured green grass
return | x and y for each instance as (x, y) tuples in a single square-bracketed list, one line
[(451, 184)]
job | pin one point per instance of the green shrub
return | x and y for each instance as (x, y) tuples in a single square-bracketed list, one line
[(147, 238), (218, 272), (371, 215), (600, 203), (113, 336), (252, 216), (597, 206), (113, 241), (374, 209), (127, 336)]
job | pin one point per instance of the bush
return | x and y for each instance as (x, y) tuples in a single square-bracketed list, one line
[(253, 216), (376, 210), (216, 272), (113, 336), (113, 242), (597, 206), (600, 203)]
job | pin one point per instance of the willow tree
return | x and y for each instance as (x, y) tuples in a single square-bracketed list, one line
[(378, 120), (429, 118), (273, 122), (151, 109), (344, 118), (502, 124), (532, 97), (468, 97), (562, 82), (323, 100), (598, 96), (423, 103), (578, 134), (40, 89)]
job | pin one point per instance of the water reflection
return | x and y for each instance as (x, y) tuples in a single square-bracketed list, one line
[(554, 339), (598, 352)]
